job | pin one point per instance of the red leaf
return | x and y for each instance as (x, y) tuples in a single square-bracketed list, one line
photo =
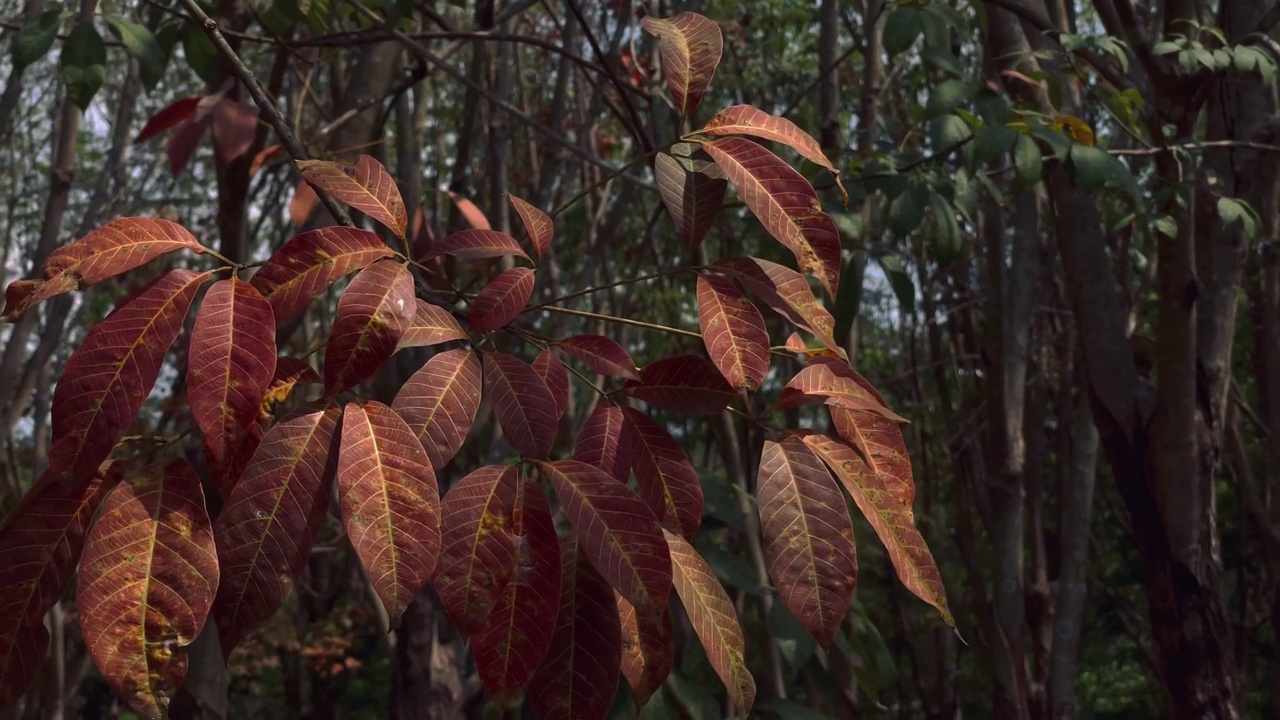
[(147, 581), (231, 364), (821, 382), (522, 403), (390, 503), (303, 267), (808, 536), (40, 542), (303, 203), (264, 156), (107, 378), (470, 212), (439, 402), (893, 522), (579, 676), (876, 437), (785, 204), (266, 529), (537, 223), (235, 125), (171, 115), (477, 546), (502, 300), (182, 144), (666, 479), (601, 354), (691, 46), (714, 619), (373, 314), (619, 534), (117, 247), (747, 120), (554, 374), (786, 292), (734, 333), (511, 643), (476, 245), (431, 325), (684, 384), (602, 442), (692, 187), (648, 650), (367, 187)]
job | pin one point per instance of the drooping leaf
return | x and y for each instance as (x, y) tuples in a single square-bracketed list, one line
[(820, 382), (231, 364), (303, 267), (537, 223), (692, 188), (117, 247), (84, 61), (184, 141), (602, 443), (268, 525), (474, 216), (667, 481), (734, 332), (373, 314), (601, 354), (439, 402), (147, 582), (41, 540), (879, 442), (553, 372), (201, 55), (511, 643), (808, 536), (107, 378), (648, 649), (476, 245), (578, 678), (785, 203), (786, 292), (893, 522), (143, 46), (367, 187), (714, 620), (748, 120), (502, 300), (431, 325), (684, 384), (691, 46), (390, 503), (36, 38), (525, 409), (619, 534), (170, 116), (477, 546)]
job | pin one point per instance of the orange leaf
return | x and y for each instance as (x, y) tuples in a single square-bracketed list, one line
[(537, 223), (367, 187), (734, 332), (747, 120)]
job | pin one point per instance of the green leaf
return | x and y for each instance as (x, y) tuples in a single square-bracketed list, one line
[(991, 141), (1166, 47), (1027, 159), (901, 29), (794, 641), (35, 38), (1093, 168), (142, 45), (900, 280), (907, 210), (201, 55), (946, 97), (946, 231), (1167, 226), (948, 131), (941, 57), (84, 60), (1232, 210)]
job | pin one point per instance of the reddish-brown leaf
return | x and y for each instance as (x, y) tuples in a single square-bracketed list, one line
[(747, 120), (785, 203), (578, 678), (470, 211), (477, 546), (714, 620), (171, 115), (40, 542), (147, 581), (667, 481), (303, 267), (876, 437), (264, 156), (290, 372), (537, 223), (648, 649), (117, 247), (373, 314), (684, 384), (367, 187), (439, 402), (553, 372), (786, 292), (893, 521), (734, 332), (525, 409), (601, 354), (303, 204), (268, 525), (602, 442), (431, 325), (107, 378), (808, 536), (476, 245), (510, 644), (692, 187), (184, 141), (502, 300), (619, 534), (691, 46), (821, 382), (231, 363), (235, 124), (390, 503)]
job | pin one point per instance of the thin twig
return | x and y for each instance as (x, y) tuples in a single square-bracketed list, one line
[(622, 321)]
